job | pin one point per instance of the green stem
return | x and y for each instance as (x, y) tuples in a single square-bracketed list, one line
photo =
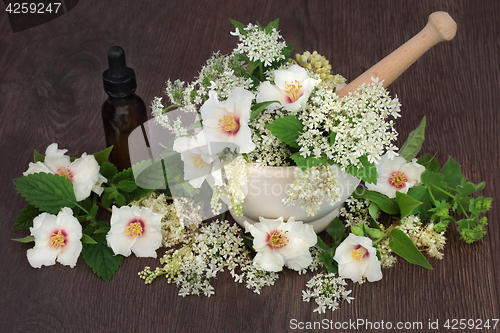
[(441, 190), (261, 71)]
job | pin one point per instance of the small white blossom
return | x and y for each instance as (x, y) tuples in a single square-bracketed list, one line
[(56, 238), (82, 172), (134, 229)]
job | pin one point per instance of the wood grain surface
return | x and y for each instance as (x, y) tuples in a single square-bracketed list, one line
[(51, 91)]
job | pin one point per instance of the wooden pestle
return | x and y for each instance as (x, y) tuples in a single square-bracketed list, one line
[(441, 27)]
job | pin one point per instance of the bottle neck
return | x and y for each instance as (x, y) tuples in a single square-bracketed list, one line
[(121, 98)]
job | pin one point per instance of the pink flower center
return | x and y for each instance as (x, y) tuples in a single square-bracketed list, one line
[(135, 228), (58, 239), (277, 239), (359, 253), (293, 90), (398, 179), (228, 124), (65, 172)]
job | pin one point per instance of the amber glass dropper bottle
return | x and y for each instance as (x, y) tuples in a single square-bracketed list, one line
[(123, 111)]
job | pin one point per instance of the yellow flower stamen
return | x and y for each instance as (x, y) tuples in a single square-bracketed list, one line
[(356, 255), (277, 239), (198, 162), (57, 240), (398, 179), (65, 172), (135, 229), (229, 124), (293, 90)]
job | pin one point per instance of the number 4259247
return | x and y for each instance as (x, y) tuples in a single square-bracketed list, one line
[(32, 8)]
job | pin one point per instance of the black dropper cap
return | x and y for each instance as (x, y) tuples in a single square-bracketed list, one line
[(119, 80)]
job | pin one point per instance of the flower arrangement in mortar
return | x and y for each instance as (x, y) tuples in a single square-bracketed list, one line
[(258, 116), (273, 136)]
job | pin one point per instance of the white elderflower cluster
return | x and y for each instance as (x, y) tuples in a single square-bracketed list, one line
[(316, 261), (424, 237), (269, 151), (260, 45), (358, 124), (355, 211), (217, 74), (327, 291), (310, 188), (253, 278), (216, 246), (180, 219)]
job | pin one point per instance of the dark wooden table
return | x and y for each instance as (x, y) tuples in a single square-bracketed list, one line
[(51, 91)]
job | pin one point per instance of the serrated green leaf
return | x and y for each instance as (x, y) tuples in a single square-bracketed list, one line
[(107, 200), (330, 264), (257, 108), (385, 204), (86, 239), (452, 173), (287, 129), (413, 144), (406, 203), (307, 162), (272, 25), (24, 220), (421, 194), (101, 258), (120, 200), (27, 239), (46, 191), (103, 155), (108, 170), (404, 247), (336, 229), (37, 157), (322, 245), (127, 185), (240, 26), (127, 174), (429, 163)]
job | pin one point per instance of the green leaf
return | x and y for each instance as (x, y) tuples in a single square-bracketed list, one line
[(403, 246), (373, 210), (307, 162), (367, 171), (383, 202), (406, 203), (413, 144), (127, 185), (124, 175), (120, 200), (330, 264), (421, 194), (452, 173), (274, 24), (259, 107), (103, 155), (336, 229), (429, 163), (101, 258), (24, 220), (37, 157), (374, 233), (86, 239), (46, 191), (27, 239), (108, 170), (240, 27), (333, 136), (287, 129), (357, 230), (322, 245)]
